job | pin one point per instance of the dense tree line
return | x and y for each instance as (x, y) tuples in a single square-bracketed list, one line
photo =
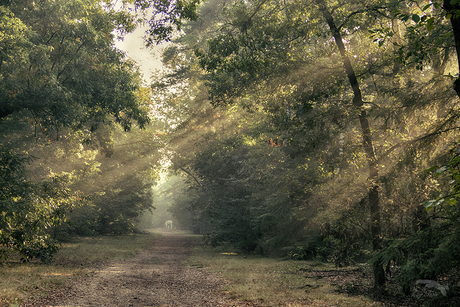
[(67, 99), (307, 129), (331, 121)]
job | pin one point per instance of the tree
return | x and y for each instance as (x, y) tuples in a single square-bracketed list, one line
[(68, 73), (61, 80), (452, 9), (428, 37), (29, 211), (255, 47), (166, 17), (358, 103)]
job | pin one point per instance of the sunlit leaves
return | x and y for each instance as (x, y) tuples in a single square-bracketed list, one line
[(425, 34), (243, 196), (261, 40), (381, 35), (28, 210), (14, 46), (63, 84), (73, 75), (452, 172)]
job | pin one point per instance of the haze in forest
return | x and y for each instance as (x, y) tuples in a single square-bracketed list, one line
[(147, 58), (308, 130)]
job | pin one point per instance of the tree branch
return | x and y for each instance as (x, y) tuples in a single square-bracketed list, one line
[(191, 175)]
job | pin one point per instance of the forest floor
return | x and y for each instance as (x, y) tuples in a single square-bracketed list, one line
[(158, 276), (177, 270)]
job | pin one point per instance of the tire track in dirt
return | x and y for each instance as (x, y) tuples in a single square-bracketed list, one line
[(158, 276)]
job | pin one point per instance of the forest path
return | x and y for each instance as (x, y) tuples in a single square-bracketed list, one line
[(158, 276)]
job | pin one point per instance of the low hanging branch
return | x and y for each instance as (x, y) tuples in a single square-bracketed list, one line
[(191, 175), (186, 171)]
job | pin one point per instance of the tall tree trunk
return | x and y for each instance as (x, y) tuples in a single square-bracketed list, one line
[(374, 206), (455, 21)]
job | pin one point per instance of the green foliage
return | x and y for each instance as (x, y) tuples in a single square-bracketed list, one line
[(299, 253), (118, 186), (65, 91), (241, 196), (252, 48), (277, 60), (316, 248), (228, 207), (167, 17), (118, 210), (428, 254), (29, 211), (59, 64), (450, 200), (431, 251)]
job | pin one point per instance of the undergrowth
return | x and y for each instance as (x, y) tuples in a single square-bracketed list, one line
[(276, 282)]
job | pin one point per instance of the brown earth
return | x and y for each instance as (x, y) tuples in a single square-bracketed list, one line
[(158, 276)]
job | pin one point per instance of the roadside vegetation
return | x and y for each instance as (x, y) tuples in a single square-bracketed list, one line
[(264, 281)]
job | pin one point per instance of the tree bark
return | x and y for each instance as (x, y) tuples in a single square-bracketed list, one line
[(373, 193), (455, 22)]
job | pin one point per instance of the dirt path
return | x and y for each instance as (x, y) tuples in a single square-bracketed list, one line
[(156, 277)]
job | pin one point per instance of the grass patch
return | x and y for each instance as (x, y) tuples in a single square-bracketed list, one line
[(275, 282), (75, 258), (82, 251)]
